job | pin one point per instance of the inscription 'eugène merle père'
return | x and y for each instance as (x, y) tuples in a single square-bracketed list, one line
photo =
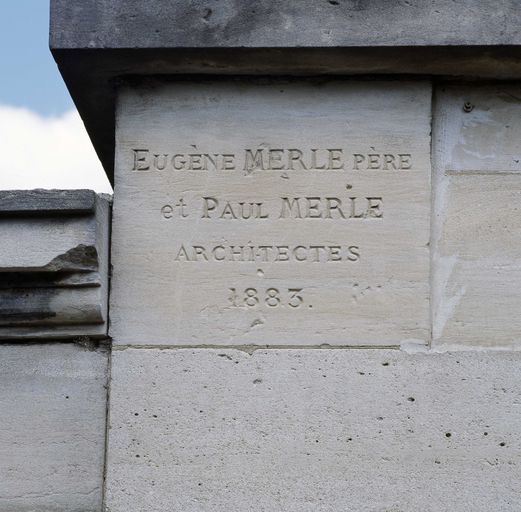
[(264, 159), (273, 214)]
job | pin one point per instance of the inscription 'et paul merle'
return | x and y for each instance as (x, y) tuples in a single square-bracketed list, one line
[(288, 208), (252, 160)]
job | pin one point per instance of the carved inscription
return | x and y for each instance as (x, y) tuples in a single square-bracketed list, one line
[(344, 207), (210, 208), (287, 207), (270, 298), (267, 253), (251, 160), (272, 213)]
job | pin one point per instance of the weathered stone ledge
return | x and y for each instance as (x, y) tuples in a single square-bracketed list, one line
[(53, 264)]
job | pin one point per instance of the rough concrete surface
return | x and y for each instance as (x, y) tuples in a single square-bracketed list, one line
[(52, 430), (314, 430), (88, 24)]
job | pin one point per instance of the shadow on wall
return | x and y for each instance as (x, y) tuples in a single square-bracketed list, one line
[(47, 152)]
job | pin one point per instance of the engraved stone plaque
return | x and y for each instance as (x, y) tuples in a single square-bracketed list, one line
[(264, 213)]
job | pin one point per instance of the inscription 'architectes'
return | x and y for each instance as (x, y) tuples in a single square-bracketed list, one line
[(268, 253), (271, 160)]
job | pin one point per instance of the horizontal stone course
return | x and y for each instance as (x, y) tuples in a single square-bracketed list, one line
[(269, 23), (47, 202), (313, 430)]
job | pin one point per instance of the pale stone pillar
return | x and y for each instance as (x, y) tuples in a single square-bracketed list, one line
[(314, 248), (262, 232)]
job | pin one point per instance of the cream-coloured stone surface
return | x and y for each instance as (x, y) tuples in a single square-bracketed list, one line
[(314, 430), (53, 404), (477, 223), (335, 179)]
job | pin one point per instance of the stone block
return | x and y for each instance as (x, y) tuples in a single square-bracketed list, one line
[(477, 193), (53, 264), (313, 430), (52, 433), (275, 213)]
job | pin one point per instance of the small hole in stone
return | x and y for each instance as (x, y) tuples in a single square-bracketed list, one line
[(448, 434), (67, 397), (137, 456), (385, 364), (136, 414), (502, 443), (334, 2), (411, 399), (485, 433)]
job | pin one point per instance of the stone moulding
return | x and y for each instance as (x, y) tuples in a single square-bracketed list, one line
[(97, 42), (53, 264)]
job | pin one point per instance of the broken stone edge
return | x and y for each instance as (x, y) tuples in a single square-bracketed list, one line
[(67, 298)]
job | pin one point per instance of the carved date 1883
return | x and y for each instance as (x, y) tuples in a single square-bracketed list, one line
[(270, 298)]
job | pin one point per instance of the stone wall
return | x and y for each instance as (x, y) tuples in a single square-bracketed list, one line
[(313, 305)]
